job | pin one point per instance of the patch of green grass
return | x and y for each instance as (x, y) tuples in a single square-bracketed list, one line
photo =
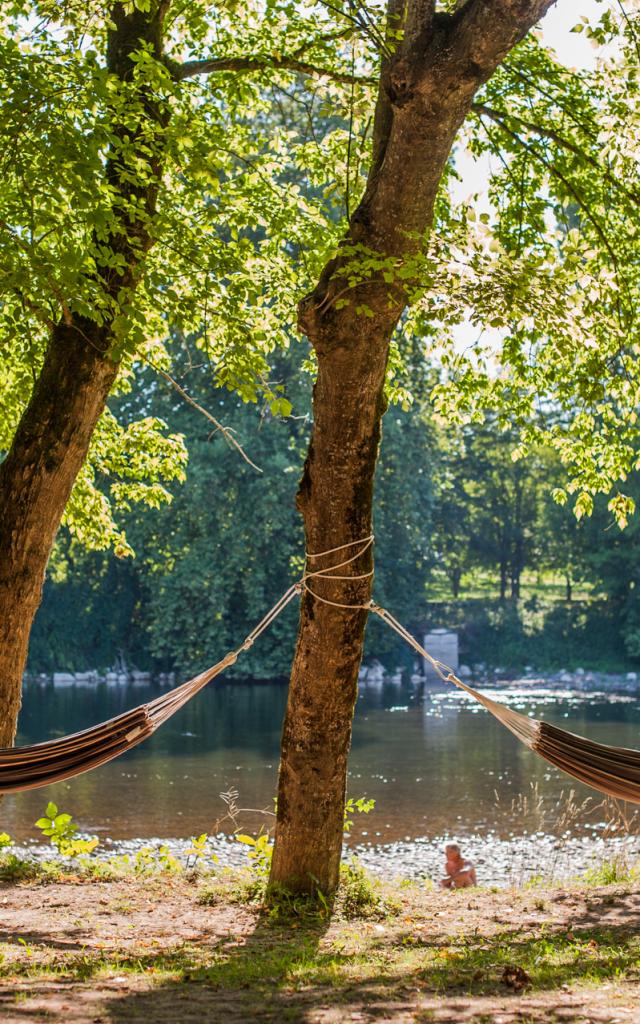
[(178, 962), (609, 872), (362, 896), (479, 967), (237, 886), (23, 868), (14, 868), (359, 895), (277, 958)]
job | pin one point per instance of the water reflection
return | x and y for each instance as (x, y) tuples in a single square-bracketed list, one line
[(432, 760)]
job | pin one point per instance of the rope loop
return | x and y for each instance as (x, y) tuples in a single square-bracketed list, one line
[(342, 547), (330, 573)]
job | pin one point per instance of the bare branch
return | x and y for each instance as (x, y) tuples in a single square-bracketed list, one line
[(225, 431), (241, 65), (500, 117)]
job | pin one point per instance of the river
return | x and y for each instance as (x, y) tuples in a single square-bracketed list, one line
[(434, 762)]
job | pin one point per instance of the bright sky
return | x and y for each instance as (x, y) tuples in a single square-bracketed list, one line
[(573, 49)]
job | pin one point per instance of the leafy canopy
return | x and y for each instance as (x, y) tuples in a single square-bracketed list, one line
[(263, 147)]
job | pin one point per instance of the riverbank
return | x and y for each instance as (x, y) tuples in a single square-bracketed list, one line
[(372, 676), (502, 863), (165, 949)]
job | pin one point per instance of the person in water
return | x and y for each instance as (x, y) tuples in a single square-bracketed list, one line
[(460, 873)]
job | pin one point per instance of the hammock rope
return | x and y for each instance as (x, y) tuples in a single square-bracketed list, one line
[(614, 771)]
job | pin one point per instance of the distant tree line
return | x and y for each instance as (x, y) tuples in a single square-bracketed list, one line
[(453, 509)]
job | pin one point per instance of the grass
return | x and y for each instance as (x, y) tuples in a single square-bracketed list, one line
[(384, 945), (359, 896), (481, 584), (277, 958), (23, 868)]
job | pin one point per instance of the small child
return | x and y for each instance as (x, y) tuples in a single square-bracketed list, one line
[(459, 873)]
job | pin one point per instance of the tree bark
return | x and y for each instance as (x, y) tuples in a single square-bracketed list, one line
[(425, 93), (36, 479), (503, 580), (54, 433)]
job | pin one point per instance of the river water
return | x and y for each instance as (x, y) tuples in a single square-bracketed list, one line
[(434, 761)]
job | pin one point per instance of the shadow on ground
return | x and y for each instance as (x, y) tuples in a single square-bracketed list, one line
[(283, 974)]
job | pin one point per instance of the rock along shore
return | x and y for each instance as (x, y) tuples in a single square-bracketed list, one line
[(499, 862)]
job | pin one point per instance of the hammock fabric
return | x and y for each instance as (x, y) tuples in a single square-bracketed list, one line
[(614, 771), (44, 763)]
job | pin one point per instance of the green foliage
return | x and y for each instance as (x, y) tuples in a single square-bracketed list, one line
[(260, 852), (612, 872), (452, 510), (148, 861), (260, 169), (551, 273), (355, 806), (359, 895), (15, 868), (147, 202), (197, 853), (62, 833)]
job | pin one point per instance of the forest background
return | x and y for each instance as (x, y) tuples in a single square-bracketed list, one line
[(468, 534), (466, 538)]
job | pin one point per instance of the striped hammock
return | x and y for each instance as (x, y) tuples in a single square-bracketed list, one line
[(614, 771)]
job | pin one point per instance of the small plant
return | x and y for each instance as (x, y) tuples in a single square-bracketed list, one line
[(147, 861), (240, 886), (14, 868), (359, 806), (62, 833), (260, 852), (359, 895), (608, 872), (284, 905), (197, 851)]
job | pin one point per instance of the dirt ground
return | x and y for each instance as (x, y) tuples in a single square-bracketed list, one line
[(147, 950)]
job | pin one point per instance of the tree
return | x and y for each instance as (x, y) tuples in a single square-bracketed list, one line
[(237, 261), (114, 161), (80, 364), (433, 65)]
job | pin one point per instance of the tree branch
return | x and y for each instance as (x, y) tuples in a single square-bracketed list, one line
[(500, 117), (240, 65), (482, 32), (418, 24), (571, 189), (225, 431)]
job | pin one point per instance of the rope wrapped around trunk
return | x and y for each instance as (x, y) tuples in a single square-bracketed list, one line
[(611, 770)]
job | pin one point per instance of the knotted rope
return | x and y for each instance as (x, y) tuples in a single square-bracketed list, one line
[(330, 572), (523, 728), (612, 770)]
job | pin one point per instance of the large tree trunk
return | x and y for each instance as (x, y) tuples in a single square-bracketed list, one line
[(425, 93), (54, 433), (36, 479)]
